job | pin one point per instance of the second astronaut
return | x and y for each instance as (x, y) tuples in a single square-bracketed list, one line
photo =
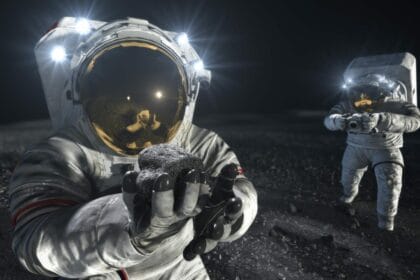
[(379, 104)]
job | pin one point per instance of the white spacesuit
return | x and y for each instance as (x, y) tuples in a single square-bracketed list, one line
[(112, 90), (379, 104)]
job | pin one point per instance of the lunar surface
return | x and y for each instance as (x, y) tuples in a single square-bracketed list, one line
[(294, 164)]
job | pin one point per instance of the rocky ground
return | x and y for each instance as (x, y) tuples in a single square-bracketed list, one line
[(298, 234)]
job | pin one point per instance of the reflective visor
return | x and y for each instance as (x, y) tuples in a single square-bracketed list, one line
[(366, 98), (134, 95)]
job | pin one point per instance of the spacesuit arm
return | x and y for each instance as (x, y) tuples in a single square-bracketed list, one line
[(216, 154), (334, 120), (408, 121), (59, 229)]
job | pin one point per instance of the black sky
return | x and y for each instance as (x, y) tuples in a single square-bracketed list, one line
[(266, 56)]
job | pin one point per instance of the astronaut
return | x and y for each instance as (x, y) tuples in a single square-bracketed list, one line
[(114, 89), (378, 105)]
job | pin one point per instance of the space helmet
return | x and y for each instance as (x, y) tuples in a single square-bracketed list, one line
[(373, 80), (129, 83)]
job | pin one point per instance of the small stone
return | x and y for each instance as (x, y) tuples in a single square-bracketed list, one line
[(346, 209), (273, 232), (292, 208), (327, 239), (356, 222)]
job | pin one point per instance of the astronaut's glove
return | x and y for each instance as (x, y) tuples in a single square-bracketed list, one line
[(369, 122), (335, 122), (233, 219), (158, 213), (221, 217)]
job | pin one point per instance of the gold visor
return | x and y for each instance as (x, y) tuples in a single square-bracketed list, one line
[(134, 94), (364, 103)]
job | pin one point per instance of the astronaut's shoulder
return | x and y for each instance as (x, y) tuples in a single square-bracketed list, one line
[(341, 107), (202, 139), (410, 107), (201, 133), (405, 108), (60, 144)]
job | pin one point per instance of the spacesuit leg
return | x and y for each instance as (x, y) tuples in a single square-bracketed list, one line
[(389, 180), (354, 165), (388, 166)]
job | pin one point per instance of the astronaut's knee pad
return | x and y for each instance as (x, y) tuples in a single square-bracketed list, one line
[(350, 180), (389, 175)]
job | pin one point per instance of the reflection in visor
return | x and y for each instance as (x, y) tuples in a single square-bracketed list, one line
[(134, 96), (363, 101), (367, 98)]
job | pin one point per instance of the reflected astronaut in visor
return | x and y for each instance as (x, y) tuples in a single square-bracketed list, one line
[(134, 96), (368, 93)]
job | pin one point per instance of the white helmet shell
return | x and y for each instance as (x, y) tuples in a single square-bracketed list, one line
[(398, 67), (62, 52)]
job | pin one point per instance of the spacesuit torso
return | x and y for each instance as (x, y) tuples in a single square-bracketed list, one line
[(391, 138)]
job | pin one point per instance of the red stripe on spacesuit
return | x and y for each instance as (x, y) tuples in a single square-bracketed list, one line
[(123, 274), (53, 26), (241, 171), (39, 204)]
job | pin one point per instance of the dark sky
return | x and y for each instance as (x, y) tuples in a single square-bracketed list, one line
[(266, 56)]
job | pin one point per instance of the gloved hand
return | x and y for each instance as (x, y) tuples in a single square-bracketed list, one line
[(340, 122), (335, 122), (221, 216), (162, 196), (369, 122), (158, 213)]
